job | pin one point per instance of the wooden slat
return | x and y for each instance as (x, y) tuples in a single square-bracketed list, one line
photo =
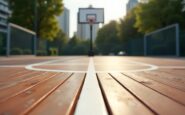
[(63, 100), (163, 89), (13, 75), (9, 71), (18, 88), (176, 72), (19, 79), (168, 79), (157, 102), (119, 100), (29, 98)]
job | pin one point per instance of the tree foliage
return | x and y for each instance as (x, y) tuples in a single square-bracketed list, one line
[(59, 42), (144, 18), (126, 28), (157, 14), (183, 3), (47, 25), (76, 46), (107, 40)]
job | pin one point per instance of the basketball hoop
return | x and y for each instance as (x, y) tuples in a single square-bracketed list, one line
[(91, 19), (91, 16)]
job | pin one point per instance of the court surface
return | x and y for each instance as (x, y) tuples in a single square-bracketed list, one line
[(92, 85)]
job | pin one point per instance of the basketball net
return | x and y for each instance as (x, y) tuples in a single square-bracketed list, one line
[(91, 20)]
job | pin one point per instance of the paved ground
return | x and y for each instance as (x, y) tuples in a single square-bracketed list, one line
[(93, 86)]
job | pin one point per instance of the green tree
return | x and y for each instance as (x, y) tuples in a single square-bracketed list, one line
[(61, 38), (69, 48), (126, 28), (47, 25), (158, 13), (59, 42), (76, 46), (183, 3), (107, 40)]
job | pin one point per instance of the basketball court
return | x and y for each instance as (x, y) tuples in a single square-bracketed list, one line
[(92, 85), (100, 85)]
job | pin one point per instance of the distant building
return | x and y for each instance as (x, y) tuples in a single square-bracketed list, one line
[(4, 14), (131, 4), (64, 21)]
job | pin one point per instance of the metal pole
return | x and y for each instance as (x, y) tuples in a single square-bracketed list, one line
[(145, 46), (91, 47), (8, 40), (177, 41), (35, 27), (35, 16), (91, 53), (35, 45)]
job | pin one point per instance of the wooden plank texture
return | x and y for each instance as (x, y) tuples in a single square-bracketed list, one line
[(157, 102), (23, 102), (159, 87), (13, 76), (6, 72), (119, 100), (19, 79), (165, 78), (63, 100), (176, 72), (20, 87)]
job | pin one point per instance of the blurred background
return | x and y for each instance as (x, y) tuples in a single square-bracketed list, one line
[(132, 28)]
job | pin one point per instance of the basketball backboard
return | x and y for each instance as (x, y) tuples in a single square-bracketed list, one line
[(87, 14)]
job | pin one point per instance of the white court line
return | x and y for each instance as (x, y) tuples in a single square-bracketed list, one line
[(91, 101), (34, 68), (151, 67), (99, 64), (1, 66), (67, 64), (172, 67)]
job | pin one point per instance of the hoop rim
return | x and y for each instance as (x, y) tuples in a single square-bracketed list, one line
[(91, 18)]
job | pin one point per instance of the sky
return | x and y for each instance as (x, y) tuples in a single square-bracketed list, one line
[(114, 10)]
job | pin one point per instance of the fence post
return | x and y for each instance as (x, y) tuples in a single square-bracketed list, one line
[(8, 41), (177, 41), (34, 45), (145, 46)]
